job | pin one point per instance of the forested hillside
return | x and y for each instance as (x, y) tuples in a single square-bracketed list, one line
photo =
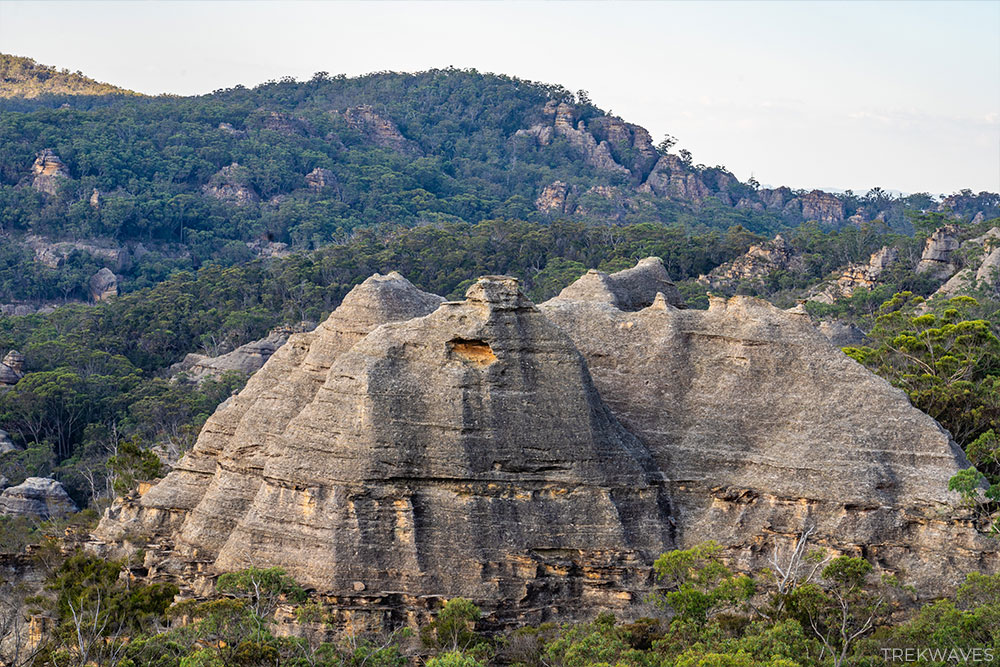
[(24, 78)]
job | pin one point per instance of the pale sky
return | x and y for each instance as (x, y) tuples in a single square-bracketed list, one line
[(902, 95)]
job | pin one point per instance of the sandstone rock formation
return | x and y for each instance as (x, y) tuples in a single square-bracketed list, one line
[(285, 124), (103, 285), (536, 459), (38, 497), (246, 359), (552, 199), (230, 184), (609, 204), (672, 178), (596, 153), (764, 429), (6, 444), (265, 248), (822, 207), (755, 265), (465, 452), (856, 276), (630, 145), (48, 172), (54, 253), (628, 290), (11, 368), (379, 130), (320, 178), (936, 259), (982, 274)]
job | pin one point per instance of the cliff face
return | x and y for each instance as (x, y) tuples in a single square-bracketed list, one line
[(764, 429), (537, 459)]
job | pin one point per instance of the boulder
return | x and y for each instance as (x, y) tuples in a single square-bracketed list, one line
[(103, 285), (12, 368), (37, 497), (246, 359)]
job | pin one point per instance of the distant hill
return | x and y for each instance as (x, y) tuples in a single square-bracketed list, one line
[(23, 77)]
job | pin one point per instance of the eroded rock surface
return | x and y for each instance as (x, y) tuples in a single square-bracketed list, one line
[(764, 428), (12, 368), (103, 285), (38, 497), (379, 130), (48, 172), (246, 359), (755, 265), (537, 459), (939, 249), (231, 184)]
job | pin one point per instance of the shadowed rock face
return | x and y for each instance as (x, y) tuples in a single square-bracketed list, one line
[(630, 289), (37, 497), (537, 459)]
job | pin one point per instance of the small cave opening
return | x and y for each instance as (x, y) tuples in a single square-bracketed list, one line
[(475, 352)]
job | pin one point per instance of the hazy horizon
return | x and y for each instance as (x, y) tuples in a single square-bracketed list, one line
[(901, 95)]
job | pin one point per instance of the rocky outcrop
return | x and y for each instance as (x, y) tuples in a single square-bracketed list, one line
[(672, 178), (379, 130), (37, 497), (283, 123), (759, 262), (857, 276), (54, 254), (822, 207), (103, 285), (537, 459), (939, 249), (610, 204), (6, 444), (597, 154), (48, 172), (764, 429), (630, 145), (232, 185), (982, 273), (628, 290), (12, 368), (246, 359), (320, 178), (456, 453), (553, 197)]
